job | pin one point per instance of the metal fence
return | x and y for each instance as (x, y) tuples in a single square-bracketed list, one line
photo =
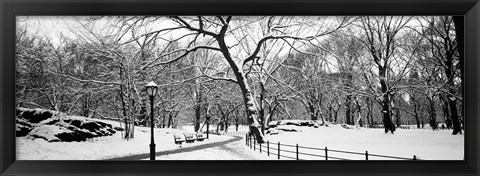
[(297, 152), (410, 127)]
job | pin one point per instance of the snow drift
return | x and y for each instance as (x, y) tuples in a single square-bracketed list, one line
[(55, 126)]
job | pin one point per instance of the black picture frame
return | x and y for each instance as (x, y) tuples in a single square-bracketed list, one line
[(470, 9)]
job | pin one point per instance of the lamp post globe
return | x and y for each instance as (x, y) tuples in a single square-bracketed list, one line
[(152, 89)]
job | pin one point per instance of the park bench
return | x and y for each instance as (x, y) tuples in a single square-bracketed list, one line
[(189, 138), (178, 139), (200, 136)]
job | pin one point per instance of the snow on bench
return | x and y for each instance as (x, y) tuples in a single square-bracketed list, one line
[(189, 137), (178, 138), (200, 136)]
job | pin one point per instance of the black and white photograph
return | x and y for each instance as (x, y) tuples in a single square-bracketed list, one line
[(239, 88)]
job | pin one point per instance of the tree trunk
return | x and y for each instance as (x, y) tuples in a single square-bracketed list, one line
[(142, 117), (236, 120), (311, 110), (86, 104), (359, 109), (225, 123), (398, 119), (248, 99), (268, 118), (451, 90), (164, 116), (261, 108), (349, 114), (124, 113), (252, 117), (330, 113), (198, 112), (386, 109), (387, 120), (446, 112), (369, 112), (207, 121), (459, 29), (170, 116), (124, 107), (417, 118), (335, 114), (132, 123), (347, 108), (454, 116), (359, 119), (432, 119), (198, 96)]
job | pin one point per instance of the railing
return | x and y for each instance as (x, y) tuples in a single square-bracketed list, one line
[(426, 127), (303, 153)]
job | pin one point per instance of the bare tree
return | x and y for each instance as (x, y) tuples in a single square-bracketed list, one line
[(381, 38), (440, 33), (222, 31)]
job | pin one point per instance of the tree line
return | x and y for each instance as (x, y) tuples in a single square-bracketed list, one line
[(362, 71)]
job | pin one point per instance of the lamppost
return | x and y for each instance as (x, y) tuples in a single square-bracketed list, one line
[(208, 123), (152, 89)]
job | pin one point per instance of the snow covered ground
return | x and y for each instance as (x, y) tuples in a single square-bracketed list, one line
[(103, 147), (425, 144)]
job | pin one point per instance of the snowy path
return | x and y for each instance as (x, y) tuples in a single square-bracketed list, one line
[(236, 150), (232, 149)]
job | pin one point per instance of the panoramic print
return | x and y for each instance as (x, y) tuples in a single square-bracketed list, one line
[(239, 88)]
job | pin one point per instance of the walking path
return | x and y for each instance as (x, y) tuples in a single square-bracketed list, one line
[(221, 145), (236, 150)]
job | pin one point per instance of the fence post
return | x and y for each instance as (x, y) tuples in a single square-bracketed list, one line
[(297, 151), (414, 157), (246, 140), (366, 155), (326, 153), (260, 144), (268, 148), (278, 149)]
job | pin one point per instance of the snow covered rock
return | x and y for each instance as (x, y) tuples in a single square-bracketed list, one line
[(279, 126), (283, 128), (54, 126), (53, 133), (23, 127), (288, 128), (272, 124), (348, 126), (308, 123), (36, 115), (274, 131)]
